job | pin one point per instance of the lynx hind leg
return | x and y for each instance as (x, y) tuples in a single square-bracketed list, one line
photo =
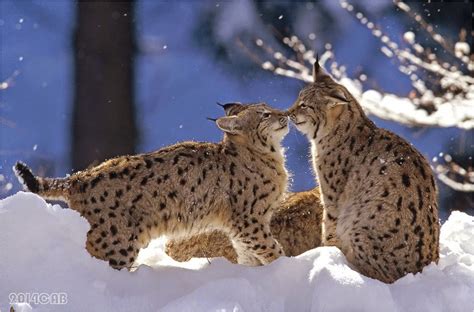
[(206, 245), (255, 241), (113, 242), (371, 265), (379, 248)]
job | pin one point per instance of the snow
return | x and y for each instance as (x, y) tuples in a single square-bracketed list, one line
[(458, 112), (42, 251), (409, 37)]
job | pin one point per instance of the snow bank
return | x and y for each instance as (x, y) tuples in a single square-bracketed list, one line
[(42, 251)]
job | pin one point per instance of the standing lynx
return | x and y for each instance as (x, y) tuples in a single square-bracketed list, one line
[(183, 190), (378, 192)]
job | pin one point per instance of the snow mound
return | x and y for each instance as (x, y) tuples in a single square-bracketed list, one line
[(42, 251)]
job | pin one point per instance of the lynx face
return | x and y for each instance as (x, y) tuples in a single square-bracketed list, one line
[(319, 105), (257, 124)]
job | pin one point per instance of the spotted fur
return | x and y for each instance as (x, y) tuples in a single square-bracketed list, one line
[(378, 192), (183, 190)]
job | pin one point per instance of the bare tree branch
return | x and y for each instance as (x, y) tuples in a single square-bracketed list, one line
[(454, 175)]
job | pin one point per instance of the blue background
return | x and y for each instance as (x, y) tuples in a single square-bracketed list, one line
[(180, 74)]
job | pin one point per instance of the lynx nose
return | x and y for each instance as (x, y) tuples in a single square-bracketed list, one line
[(283, 120), (292, 117)]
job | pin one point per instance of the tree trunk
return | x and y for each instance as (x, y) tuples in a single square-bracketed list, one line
[(103, 123)]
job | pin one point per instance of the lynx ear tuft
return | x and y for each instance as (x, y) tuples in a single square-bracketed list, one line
[(318, 71)]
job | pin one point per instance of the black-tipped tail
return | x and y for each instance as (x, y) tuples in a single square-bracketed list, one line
[(48, 188), (26, 177)]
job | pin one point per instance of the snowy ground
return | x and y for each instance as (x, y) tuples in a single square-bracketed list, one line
[(42, 251)]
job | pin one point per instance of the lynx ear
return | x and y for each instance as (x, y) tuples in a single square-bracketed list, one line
[(232, 108), (229, 124), (337, 97), (318, 71)]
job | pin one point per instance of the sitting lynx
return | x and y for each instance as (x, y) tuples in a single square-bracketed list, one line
[(183, 190), (378, 192), (296, 225)]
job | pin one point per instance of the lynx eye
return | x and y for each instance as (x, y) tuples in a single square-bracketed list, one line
[(266, 115), (302, 105)]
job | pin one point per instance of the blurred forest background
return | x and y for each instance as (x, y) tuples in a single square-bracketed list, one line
[(84, 81)]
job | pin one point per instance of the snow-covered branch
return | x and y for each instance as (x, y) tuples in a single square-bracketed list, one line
[(443, 94), (454, 175)]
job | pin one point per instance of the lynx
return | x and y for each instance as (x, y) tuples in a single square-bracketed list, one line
[(378, 192), (183, 190), (296, 225)]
